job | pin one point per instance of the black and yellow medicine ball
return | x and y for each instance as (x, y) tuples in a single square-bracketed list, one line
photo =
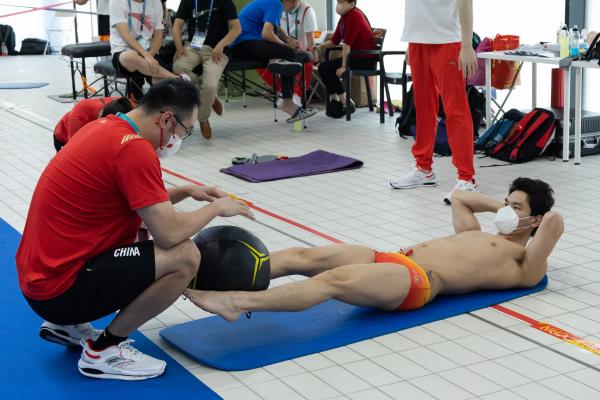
[(231, 258)]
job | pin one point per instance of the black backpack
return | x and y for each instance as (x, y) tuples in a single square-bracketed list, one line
[(408, 115), (529, 139), (7, 36)]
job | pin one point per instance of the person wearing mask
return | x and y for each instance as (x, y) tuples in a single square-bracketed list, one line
[(354, 32), (78, 260)]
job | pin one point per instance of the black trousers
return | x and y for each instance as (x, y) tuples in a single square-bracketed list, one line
[(103, 25), (331, 81), (263, 50)]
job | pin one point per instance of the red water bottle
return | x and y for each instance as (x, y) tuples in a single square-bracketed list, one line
[(4, 49)]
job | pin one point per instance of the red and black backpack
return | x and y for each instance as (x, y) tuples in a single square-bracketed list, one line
[(529, 139)]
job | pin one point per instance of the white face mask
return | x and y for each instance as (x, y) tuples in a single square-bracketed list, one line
[(340, 9), (170, 148), (507, 220)]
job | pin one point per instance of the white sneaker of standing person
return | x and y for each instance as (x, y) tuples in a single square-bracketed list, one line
[(413, 179), (121, 361), (465, 186), (68, 335)]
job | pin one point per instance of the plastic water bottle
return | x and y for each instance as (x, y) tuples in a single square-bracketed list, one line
[(564, 42), (4, 49), (583, 44), (574, 42)]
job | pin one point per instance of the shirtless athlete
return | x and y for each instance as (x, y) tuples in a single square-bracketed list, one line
[(467, 261)]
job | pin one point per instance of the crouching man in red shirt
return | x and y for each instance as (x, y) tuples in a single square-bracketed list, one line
[(78, 261)]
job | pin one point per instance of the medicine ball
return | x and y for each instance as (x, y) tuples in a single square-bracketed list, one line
[(231, 258)]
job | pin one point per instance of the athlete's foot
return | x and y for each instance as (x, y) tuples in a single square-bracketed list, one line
[(219, 303)]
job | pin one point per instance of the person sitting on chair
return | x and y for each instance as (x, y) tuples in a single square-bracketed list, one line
[(355, 33), (467, 261), (298, 27), (85, 111), (212, 26), (135, 38), (259, 40)]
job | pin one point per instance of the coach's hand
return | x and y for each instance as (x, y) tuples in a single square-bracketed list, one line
[(230, 207)]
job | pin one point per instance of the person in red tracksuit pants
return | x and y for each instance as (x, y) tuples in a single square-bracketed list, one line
[(441, 57)]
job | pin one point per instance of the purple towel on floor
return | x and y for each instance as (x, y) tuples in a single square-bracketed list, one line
[(317, 162)]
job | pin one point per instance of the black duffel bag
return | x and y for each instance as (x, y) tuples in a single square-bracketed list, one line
[(32, 46)]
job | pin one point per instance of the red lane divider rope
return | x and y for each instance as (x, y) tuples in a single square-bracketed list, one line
[(540, 326), (551, 330), (34, 9), (263, 211)]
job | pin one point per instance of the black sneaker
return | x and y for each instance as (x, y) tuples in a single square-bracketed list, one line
[(335, 109)]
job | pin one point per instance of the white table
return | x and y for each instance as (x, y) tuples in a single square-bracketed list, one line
[(500, 55), (578, 67)]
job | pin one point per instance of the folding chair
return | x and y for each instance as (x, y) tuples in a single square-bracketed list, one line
[(391, 78)]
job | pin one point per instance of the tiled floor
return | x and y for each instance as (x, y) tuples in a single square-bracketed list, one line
[(481, 355)]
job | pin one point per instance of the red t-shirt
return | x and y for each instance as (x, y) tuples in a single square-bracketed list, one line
[(354, 30), (83, 112), (85, 204)]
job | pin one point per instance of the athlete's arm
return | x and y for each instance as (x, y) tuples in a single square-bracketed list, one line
[(466, 204), (170, 227), (268, 33), (535, 263)]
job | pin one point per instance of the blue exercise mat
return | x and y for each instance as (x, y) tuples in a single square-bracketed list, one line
[(35, 369), (270, 337), (22, 85)]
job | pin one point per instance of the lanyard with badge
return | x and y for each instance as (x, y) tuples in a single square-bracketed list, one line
[(140, 39), (297, 23), (200, 36)]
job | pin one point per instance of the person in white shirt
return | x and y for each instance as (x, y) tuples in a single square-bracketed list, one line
[(135, 38), (441, 57)]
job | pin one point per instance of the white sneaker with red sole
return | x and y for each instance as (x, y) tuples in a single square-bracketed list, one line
[(121, 361), (413, 179)]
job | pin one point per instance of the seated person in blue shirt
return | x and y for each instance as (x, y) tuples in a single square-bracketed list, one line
[(259, 40)]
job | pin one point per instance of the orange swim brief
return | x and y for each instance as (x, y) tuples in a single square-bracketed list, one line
[(420, 287)]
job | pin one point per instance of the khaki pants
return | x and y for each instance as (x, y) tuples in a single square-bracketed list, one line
[(211, 75)]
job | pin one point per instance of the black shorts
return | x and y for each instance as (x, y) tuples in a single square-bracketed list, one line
[(104, 285), (122, 71)]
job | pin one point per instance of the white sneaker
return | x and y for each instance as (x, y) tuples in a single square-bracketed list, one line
[(121, 361), (413, 179), (465, 186), (68, 335)]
